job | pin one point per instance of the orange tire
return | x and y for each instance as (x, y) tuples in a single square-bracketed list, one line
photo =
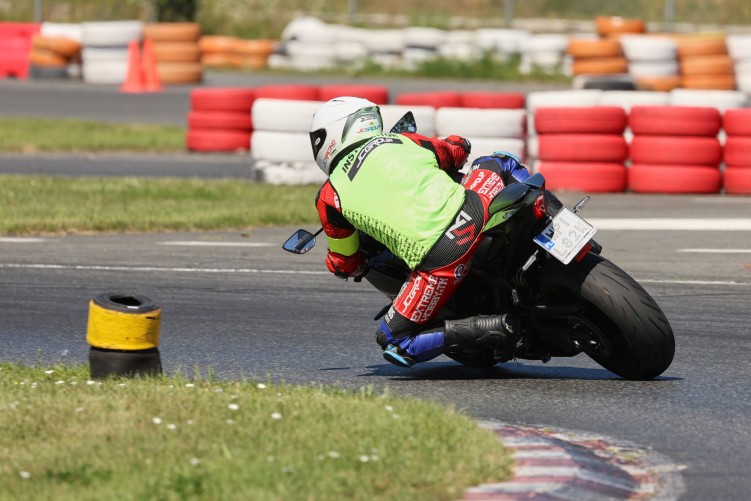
[(587, 47), (217, 59), (611, 26), (172, 32), (701, 45), (47, 59), (659, 84), (707, 65), (249, 61), (59, 45), (179, 73), (177, 52), (709, 82), (254, 47), (599, 66), (211, 44)]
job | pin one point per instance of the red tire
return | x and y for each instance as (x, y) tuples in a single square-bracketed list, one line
[(644, 178), (588, 177), (675, 121), (486, 100), (737, 181), (676, 150), (374, 93), (737, 122), (231, 120), (222, 99), (291, 92), (737, 151), (217, 140), (609, 148), (434, 99), (594, 119)]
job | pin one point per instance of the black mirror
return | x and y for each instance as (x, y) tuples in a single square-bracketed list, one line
[(535, 180), (300, 242), (405, 124)]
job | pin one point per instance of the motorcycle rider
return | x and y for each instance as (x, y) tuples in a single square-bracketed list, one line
[(397, 188)]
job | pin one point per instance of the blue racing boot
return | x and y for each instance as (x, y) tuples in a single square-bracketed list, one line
[(392, 354)]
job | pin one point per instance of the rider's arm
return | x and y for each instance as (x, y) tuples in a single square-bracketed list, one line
[(450, 153), (344, 258)]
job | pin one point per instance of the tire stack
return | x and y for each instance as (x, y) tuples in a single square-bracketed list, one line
[(220, 120), (105, 50), (596, 56), (582, 148), (675, 150), (705, 63), (280, 145), (543, 52), (737, 153), (739, 50), (420, 46), (492, 121), (52, 56), (652, 61), (217, 51), (176, 51), (252, 54), (436, 99)]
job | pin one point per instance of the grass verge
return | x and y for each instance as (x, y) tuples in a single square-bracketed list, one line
[(172, 438), (41, 204), (31, 135)]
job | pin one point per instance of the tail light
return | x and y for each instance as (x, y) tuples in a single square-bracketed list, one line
[(539, 209), (587, 247)]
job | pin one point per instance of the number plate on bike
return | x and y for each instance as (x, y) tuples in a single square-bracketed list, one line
[(565, 236)]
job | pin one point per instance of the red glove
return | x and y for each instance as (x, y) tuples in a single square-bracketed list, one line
[(461, 147), (346, 266)]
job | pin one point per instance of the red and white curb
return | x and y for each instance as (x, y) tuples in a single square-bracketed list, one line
[(559, 465)]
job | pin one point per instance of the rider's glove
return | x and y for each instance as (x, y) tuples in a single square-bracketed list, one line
[(460, 151), (347, 266)]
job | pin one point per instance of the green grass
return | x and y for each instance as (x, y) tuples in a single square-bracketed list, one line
[(172, 438), (30, 135), (42, 204)]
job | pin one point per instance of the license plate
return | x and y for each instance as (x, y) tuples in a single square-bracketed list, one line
[(565, 236)]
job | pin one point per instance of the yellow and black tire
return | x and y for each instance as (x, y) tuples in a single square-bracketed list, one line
[(123, 322)]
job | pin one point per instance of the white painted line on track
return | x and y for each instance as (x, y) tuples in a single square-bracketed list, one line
[(22, 240), (667, 224), (32, 266), (39, 266), (202, 243), (716, 251)]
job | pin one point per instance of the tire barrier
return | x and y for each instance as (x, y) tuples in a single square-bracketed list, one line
[(737, 153), (488, 129), (176, 51), (220, 119), (675, 149), (105, 53), (15, 47), (123, 333)]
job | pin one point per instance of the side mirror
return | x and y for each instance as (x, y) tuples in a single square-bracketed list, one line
[(405, 124), (300, 242)]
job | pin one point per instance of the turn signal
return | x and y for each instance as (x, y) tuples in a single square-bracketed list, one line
[(539, 208)]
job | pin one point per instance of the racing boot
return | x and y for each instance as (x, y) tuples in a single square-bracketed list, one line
[(500, 331)]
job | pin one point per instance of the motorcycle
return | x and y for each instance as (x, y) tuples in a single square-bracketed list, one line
[(538, 260)]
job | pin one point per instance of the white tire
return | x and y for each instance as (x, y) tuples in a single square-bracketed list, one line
[(583, 97), (739, 46), (500, 40), (280, 146), (111, 33), (425, 38), (279, 62), (309, 29), (664, 68), (104, 54), (475, 122), (648, 48), (288, 173), (482, 146), (105, 72), (627, 98), (283, 115), (384, 41), (720, 99), (424, 117), (71, 31)]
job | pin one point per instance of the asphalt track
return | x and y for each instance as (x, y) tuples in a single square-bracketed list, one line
[(234, 302)]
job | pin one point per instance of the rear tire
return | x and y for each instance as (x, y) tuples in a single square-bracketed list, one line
[(635, 340)]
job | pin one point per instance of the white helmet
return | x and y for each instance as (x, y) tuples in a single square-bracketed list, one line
[(339, 123)]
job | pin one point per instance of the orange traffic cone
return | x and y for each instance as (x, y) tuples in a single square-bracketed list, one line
[(134, 79), (150, 75)]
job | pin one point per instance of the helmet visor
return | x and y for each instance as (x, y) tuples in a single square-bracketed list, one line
[(317, 139)]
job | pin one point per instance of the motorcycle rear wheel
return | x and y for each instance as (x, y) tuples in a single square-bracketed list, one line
[(632, 334)]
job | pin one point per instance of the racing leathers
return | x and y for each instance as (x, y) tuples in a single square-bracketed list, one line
[(397, 188)]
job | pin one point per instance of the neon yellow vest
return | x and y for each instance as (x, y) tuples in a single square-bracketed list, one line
[(393, 190)]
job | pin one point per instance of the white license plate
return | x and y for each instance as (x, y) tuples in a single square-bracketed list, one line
[(565, 236)]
